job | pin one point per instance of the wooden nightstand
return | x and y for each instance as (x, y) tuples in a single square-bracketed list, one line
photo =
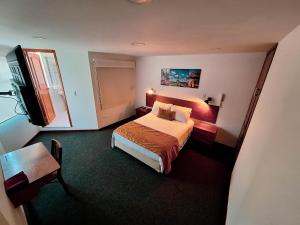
[(142, 111), (204, 132)]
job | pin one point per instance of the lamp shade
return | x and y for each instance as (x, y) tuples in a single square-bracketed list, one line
[(151, 91)]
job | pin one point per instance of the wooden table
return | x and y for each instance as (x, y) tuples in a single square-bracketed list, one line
[(142, 111), (204, 132), (36, 162)]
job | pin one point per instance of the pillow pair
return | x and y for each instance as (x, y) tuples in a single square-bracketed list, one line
[(167, 111)]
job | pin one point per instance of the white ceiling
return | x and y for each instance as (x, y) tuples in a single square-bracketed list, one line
[(167, 26)]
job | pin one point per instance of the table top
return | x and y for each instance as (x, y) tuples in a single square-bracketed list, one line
[(34, 160), (144, 108), (206, 126)]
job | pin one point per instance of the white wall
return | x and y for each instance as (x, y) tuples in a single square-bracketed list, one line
[(266, 181), (4, 69), (235, 75), (6, 105), (16, 132)]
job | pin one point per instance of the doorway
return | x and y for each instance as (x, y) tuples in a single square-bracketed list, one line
[(255, 96), (49, 88), (113, 78)]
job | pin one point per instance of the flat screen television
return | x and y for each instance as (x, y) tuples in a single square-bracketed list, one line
[(22, 83)]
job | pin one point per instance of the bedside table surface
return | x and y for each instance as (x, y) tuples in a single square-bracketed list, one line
[(201, 125), (144, 109)]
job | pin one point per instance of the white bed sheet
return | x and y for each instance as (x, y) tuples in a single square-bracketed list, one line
[(181, 131)]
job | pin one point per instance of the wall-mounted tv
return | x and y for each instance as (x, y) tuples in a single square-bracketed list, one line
[(24, 88)]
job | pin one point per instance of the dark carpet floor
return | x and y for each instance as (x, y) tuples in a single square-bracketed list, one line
[(110, 187)]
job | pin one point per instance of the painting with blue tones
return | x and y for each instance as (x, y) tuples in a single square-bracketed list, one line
[(189, 78)]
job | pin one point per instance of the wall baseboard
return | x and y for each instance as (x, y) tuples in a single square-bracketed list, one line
[(119, 123), (69, 131), (93, 130)]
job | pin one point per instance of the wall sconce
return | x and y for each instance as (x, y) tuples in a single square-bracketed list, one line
[(208, 99), (151, 91)]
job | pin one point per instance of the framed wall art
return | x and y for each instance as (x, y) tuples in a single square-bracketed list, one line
[(189, 78)]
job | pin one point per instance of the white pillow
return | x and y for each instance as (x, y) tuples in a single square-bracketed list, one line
[(158, 105), (182, 113)]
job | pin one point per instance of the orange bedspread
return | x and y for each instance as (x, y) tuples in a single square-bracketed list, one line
[(164, 145)]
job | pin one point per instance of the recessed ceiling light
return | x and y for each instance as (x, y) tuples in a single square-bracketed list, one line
[(138, 43), (140, 1), (39, 37)]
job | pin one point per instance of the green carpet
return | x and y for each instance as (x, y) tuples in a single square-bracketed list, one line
[(110, 187)]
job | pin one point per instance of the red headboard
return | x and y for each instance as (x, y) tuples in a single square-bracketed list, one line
[(200, 110)]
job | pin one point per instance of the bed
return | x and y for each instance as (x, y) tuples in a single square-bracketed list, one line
[(180, 131), (156, 141)]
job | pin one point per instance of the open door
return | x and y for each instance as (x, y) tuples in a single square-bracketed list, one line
[(39, 80)]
